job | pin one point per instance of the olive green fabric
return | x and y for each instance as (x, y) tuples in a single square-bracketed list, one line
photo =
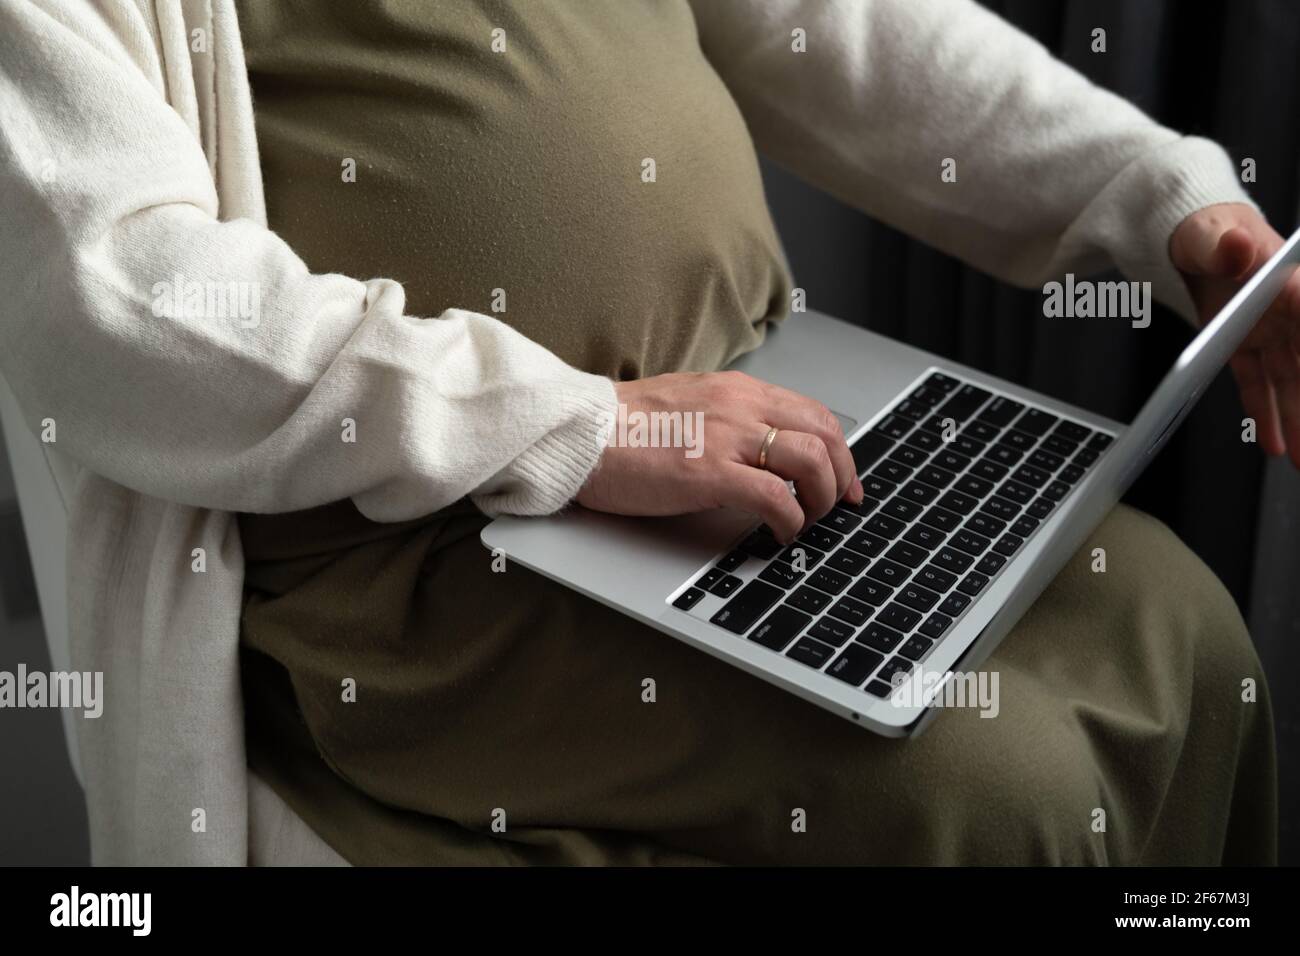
[(477, 691), (522, 170)]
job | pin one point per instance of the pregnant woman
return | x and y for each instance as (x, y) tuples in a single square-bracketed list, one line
[(564, 204)]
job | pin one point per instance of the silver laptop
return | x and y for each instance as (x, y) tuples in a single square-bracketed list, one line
[(978, 492)]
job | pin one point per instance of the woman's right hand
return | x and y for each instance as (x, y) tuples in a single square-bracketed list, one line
[(737, 413)]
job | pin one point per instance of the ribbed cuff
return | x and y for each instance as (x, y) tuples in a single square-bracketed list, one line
[(547, 475)]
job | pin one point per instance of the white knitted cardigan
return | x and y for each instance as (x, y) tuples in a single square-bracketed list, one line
[(128, 159)]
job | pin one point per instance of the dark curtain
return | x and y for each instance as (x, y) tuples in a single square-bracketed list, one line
[(1228, 70)]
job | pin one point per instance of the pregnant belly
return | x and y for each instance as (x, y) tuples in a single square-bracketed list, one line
[(582, 175)]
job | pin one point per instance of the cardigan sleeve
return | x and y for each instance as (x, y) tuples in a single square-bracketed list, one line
[(199, 360), (1047, 172)]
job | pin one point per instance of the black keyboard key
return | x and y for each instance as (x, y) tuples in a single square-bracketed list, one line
[(935, 477), (986, 525), (937, 425), (872, 591), (855, 664), (901, 508), (847, 562), (970, 542), (892, 471), (893, 426), (708, 579), (936, 579), (973, 583), (883, 639), (780, 574), (941, 518), (840, 521), (944, 383), (965, 402), (1024, 526), (958, 502), (927, 441), (1070, 474), (950, 460), (1100, 441), (813, 653), (725, 585), (917, 597), (869, 449), (1008, 544), (1036, 422), (1017, 440), (989, 470), (1073, 431), (889, 572), (877, 488), (832, 582), (1056, 490), (1000, 508), (967, 446), (832, 632), (867, 544), (909, 455), (1060, 445), (969, 484), (1046, 460), (954, 604), (919, 492), (916, 647), (1005, 455), (747, 606), (1084, 457), (953, 561), (928, 396), (864, 507), (1040, 509), (808, 599), (732, 561), (895, 670), (914, 410), (981, 431), (761, 545), (878, 688), (908, 554), (898, 617), (780, 628), (802, 556), (688, 599), (1002, 411), (821, 537), (924, 536), (935, 625), (884, 526), (850, 611), (1031, 476), (990, 564), (1014, 491)]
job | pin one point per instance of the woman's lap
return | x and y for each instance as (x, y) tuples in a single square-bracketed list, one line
[(503, 697)]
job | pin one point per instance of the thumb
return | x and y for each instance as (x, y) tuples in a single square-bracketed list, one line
[(1205, 250)]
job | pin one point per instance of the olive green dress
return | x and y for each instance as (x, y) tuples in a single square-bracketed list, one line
[(580, 172)]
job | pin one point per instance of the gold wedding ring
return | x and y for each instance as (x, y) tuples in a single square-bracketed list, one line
[(767, 444)]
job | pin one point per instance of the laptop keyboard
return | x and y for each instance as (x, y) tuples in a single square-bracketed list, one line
[(868, 591)]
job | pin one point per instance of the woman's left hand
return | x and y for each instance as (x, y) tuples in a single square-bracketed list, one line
[(1217, 249)]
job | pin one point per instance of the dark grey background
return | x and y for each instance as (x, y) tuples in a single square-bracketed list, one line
[(1229, 70)]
